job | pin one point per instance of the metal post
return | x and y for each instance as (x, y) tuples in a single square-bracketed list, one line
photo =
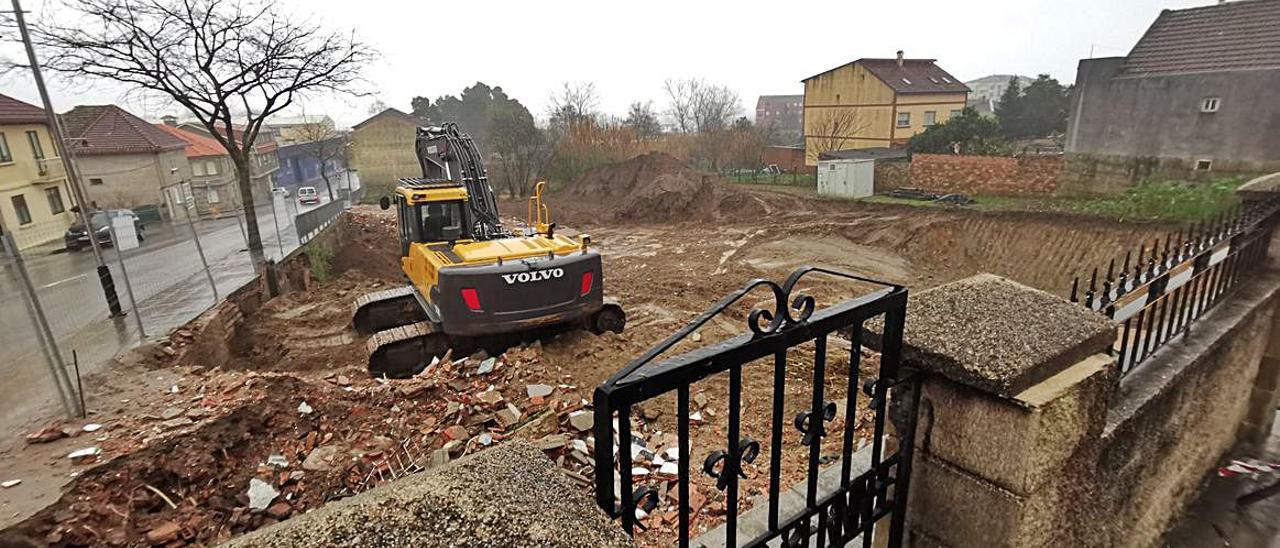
[(199, 249), (48, 344), (276, 220), (128, 287), (73, 176)]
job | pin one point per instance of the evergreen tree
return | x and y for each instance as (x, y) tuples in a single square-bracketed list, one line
[(1009, 109), (969, 132)]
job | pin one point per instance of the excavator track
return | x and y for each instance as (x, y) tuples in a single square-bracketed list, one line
[(403, 351), (382, 310)]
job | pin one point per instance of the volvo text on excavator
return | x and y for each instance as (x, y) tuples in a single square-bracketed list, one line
[(472, 282)]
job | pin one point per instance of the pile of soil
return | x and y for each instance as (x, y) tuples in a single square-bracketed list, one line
[(653, 187)]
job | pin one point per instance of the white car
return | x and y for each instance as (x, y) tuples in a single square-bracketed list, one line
[(308, 195)]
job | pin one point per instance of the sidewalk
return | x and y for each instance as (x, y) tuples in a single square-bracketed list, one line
[(1214, 519)]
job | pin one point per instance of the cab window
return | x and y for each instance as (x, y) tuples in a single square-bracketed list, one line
[(439, 218)]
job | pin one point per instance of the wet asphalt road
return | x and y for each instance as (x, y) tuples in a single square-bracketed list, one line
[(169, 285)]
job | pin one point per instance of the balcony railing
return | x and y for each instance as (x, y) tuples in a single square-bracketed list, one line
[(49, 170)]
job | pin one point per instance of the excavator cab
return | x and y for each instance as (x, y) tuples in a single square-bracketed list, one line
[(430, 212)]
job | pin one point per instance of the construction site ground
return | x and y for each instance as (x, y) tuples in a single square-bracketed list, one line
[(177, 441)]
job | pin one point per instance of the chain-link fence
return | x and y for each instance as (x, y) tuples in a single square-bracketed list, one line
[(165, 273)]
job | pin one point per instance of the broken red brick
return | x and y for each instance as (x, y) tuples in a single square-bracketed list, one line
[(163, 533)]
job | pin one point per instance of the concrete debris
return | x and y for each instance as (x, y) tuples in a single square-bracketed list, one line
[(261, 494), (670, 469), (539, 390), (304, 408), (92, 427), (700, 400), (88, 454), (321, 459), (171, 413), (278, 461), (672, 453), (485, 439), (581, 420), (486, 366), (639, 471), (490, 396), (10, 483)]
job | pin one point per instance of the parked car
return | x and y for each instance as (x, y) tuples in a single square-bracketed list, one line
[(77, 237), (282, 191), (308, 195)]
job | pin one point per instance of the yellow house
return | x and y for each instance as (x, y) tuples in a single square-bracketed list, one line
[(382, 149), (35, 202), (876, 103)]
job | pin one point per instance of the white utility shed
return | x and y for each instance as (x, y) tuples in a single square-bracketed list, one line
[(846, 178)]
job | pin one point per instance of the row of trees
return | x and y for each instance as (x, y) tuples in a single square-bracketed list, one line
[(703, 124), (1040, 110)]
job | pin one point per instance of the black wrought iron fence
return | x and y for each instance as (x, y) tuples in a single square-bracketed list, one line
[(856, 506), (1158, 292)]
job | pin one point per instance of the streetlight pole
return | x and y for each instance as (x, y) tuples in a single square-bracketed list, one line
[(73, 176)]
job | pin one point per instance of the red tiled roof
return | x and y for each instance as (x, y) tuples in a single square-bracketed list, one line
[(914, 76), (1238, 35), (109, 129), (198, 145), (261, 145), (13, 111)]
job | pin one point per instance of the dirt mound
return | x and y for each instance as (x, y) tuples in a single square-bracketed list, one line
[(371, 245), (653, 187)]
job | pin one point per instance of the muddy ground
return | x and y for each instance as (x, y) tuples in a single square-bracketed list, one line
[(180, 444)]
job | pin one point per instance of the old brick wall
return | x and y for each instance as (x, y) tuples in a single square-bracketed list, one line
[(991, 175), (891, 174)]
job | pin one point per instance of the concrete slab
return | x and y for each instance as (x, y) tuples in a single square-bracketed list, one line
[(996, 335)]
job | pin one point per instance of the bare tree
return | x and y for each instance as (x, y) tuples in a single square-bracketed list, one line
[(231, 63), (576, 101), (643, 120), (831, 129), (326, 145), (696, 106)]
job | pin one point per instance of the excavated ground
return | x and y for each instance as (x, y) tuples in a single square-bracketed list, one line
[(176, 462)]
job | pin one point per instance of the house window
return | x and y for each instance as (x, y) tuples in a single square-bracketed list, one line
[(213, 197), (5, 155), (955, 113), (837, 97), (34, 139), (20, 207), (1204, 165), (95, 181), (1209, 104), (904, 119), (930, 117), (211, 167), (906, 81), (197, 169), (54, 195)]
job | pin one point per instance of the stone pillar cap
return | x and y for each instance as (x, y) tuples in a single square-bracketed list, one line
[(996, 335)]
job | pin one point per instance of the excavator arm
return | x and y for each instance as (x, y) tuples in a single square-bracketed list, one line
[(446, 153)]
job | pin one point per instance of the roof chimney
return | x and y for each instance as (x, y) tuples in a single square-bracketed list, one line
[(169, 120), (899, 58)]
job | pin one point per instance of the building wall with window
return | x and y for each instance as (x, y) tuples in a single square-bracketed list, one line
[(1174, 123), (35, 201), (873, 103), (131, 181)]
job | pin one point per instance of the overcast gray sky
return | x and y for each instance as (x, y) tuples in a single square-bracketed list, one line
[(628, 49)]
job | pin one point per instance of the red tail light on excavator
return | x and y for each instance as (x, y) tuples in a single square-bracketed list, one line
[(471, 297), (587, 278)]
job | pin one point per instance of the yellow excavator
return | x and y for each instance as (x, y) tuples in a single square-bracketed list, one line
[(472, 283)]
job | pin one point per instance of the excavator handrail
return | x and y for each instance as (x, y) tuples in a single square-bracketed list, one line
[(539, 215)]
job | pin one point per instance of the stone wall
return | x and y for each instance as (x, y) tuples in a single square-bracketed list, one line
[(990, 175), (891, 174), (1086, 174), (1026, 437)]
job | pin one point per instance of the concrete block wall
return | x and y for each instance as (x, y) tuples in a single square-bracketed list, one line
[(991, 175), (1042, 444)]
